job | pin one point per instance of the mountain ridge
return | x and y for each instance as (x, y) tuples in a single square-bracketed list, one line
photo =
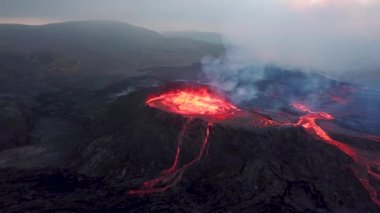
[(86, 49)]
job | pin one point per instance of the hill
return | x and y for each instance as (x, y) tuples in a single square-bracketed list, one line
[(85, 50), (196, 35)]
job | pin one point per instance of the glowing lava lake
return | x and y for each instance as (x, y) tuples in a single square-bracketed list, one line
[(198, 102), (190, 102)]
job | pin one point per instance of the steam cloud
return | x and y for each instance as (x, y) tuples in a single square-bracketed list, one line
[(340, 38)]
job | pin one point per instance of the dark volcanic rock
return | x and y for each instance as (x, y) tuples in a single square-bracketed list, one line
[(75, 137), (279, 169)]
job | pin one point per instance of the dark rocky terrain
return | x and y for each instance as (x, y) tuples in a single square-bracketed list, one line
[(71, 144), (88, 54)]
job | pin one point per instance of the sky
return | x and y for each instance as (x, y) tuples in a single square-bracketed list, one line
[(160, 15), (338, 37)]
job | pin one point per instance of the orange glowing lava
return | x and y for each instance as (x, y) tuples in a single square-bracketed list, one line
[(368, 165), (194, 102), (191, 102), (201, 102)]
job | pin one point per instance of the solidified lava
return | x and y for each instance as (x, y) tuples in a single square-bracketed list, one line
[(189, 102)]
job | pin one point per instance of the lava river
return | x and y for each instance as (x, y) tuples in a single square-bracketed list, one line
[(201, 102), (367, 165)]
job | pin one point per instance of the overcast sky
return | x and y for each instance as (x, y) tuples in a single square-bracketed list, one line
[(329, 35), (155, 14)]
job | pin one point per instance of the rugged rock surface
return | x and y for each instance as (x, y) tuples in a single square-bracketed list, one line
[(276, 169)]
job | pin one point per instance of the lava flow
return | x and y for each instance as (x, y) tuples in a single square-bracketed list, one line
[(200, 102), (190, 102), (367, 167)]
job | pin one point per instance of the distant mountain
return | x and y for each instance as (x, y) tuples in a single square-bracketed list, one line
[(84, 49), (195, 35)]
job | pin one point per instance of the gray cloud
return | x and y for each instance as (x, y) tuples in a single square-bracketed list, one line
[(336, 36), (339, 38)]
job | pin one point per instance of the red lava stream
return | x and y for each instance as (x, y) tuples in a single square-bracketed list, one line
[(203, 103), (191, 102), (368, 165)]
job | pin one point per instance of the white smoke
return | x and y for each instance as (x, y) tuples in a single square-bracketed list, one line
[(234, 74), (340, 38)]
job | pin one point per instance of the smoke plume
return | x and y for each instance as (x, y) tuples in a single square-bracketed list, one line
[(339, 38)]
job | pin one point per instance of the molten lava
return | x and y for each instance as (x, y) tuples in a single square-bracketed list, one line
[(194, 102), (190, 102), (367, 167), (201, 102)]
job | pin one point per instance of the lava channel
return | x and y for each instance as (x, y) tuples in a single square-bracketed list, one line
[(189, 102), (367, 167)]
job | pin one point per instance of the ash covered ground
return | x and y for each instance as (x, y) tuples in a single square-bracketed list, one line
[(76, 138)]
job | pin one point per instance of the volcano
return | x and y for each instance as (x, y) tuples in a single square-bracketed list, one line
[(202, 102), (198, 101)]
